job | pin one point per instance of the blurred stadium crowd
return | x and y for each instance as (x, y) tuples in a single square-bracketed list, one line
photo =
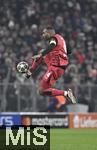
[(21, 22)]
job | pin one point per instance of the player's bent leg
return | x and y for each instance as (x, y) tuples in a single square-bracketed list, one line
[(45, 82), (55, 92), (46, 87)]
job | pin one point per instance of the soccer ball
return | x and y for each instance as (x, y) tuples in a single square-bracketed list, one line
[(22, 67)]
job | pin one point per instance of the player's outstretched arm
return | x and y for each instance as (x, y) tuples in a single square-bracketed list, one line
[(37, 61), (35, 57)]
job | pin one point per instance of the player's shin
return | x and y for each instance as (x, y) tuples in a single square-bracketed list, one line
[(53, 92)]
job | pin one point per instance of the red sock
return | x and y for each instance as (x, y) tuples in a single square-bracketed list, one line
[(53, 92)]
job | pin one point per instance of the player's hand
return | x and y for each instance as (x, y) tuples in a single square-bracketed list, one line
[(37, 56), (28, 73)]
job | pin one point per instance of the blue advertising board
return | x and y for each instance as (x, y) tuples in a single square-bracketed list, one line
[(10, 119)]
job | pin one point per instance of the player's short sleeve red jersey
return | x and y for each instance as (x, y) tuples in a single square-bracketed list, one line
[(58, 56)]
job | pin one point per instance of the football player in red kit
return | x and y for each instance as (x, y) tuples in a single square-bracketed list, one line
[(56, 58)]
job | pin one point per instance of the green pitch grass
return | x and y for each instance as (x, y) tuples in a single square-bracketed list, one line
[(73, 139)]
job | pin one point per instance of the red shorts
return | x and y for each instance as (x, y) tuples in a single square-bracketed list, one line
[(51, 76)]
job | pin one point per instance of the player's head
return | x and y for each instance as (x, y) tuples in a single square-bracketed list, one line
[(48, 32)]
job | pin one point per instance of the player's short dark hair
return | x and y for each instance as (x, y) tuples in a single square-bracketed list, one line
[(50, 28)]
